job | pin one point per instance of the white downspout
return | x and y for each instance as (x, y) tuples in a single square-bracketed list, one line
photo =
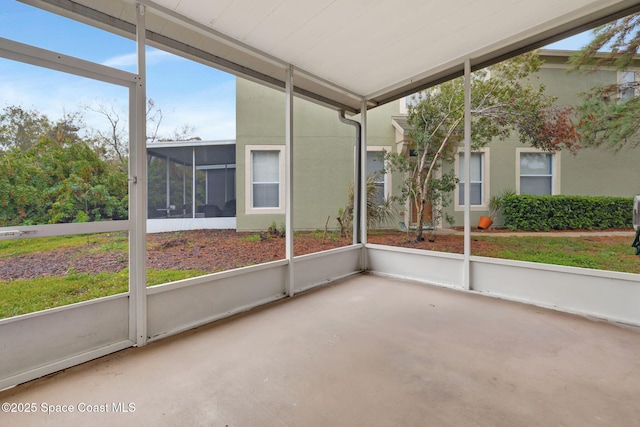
[(357, 187)]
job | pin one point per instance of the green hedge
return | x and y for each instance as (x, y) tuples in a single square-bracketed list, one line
[(544, 213)]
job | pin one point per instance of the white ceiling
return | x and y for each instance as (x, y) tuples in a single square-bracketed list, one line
[(346, 50)]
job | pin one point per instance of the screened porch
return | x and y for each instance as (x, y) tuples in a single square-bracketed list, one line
[(179, 170), (466, 338)]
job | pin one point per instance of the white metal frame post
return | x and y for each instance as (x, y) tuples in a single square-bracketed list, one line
[(289, 179), (362, 209), (363, 174), (193, 184), (466, 280), (138, 205)]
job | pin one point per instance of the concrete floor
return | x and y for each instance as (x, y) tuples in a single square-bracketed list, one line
[(367, 351)]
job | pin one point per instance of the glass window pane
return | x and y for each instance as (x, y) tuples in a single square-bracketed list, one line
[(476, 194), (628, 77), (476, 167), (375, 162), (476, 179), (379, 193), (535, 185), (535, 164), (265, 196), (266, 166), (627, 85)]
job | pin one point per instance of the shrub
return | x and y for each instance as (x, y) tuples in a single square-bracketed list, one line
[(253, 238), (379, 212), (544, 213)]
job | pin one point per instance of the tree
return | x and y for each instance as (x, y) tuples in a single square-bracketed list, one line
[(20, 128), (610, 114), (111, 143), (503, 99), (59, 179)]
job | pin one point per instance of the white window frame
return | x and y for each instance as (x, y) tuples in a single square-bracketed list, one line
[(485, 180), (404, 106), (387, 176), (621, 75), (249, 209), (555, 168)]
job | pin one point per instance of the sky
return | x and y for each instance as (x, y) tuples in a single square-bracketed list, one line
[(188, 93)]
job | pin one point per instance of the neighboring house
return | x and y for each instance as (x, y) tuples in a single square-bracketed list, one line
[(178, 170), (321, 139), (508, 165)]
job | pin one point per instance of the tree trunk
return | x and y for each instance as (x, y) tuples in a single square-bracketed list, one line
[(420, 222)]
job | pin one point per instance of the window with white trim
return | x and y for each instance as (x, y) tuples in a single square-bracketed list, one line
[(404, 105), (478, 180), (265, 179), (538, 173), (475, 180), (376, 169), (628, 85)]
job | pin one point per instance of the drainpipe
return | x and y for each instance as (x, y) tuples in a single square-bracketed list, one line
[(357, 203)]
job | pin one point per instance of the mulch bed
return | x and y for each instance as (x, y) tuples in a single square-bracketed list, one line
[(206, 250)]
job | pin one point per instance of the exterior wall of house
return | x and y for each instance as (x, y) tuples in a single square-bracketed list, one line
[(324, 153), (591, 172), (324, 150), (260, 120)]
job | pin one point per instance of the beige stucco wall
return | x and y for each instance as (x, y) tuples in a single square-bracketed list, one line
[(323, 150), (597, 172)]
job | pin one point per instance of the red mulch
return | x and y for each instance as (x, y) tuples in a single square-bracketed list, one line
[(207, 251)]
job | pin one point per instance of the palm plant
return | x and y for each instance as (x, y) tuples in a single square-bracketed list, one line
[(380, 209)]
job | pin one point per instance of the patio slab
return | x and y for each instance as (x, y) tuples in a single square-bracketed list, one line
[(367, 350)]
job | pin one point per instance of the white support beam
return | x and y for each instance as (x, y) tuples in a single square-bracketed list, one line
[(138, 191), (357, 164), (363, 173), (28, 54), (47, 230), (289, 179), (466, 281), (193, 184)]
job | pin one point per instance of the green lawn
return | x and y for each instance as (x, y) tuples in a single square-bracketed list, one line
[(612, 255), (29, 295), (92, 242)]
